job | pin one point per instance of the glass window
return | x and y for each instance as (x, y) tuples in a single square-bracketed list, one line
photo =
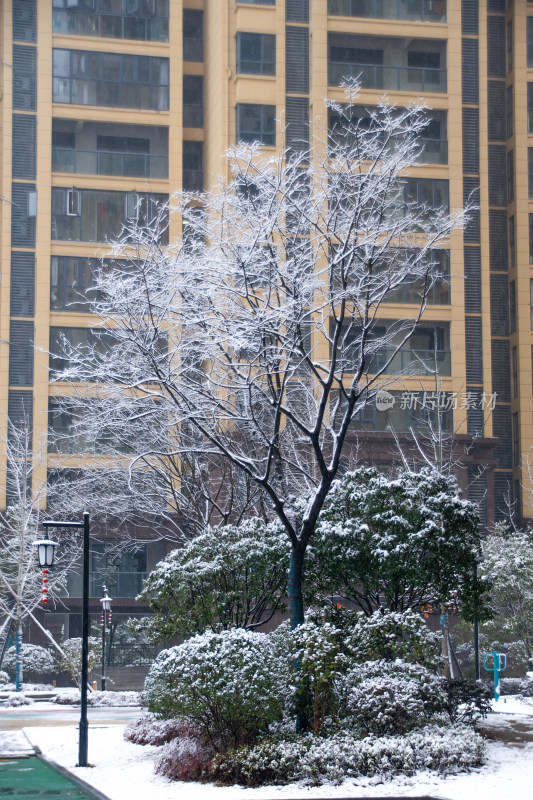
[(110, 79), (516, 440), (93, 215), (510, 45), (510, 176), (193, 108), (193, 42), (427, 192), (512, 306), (529, 34), (512, 247), (530, 108), (256, 53), (71, 280), (117, 19), (256, 123), (193, 176), (509, 111), (515, 371)]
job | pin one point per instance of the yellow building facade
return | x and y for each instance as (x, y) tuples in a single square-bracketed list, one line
[(106, 103)]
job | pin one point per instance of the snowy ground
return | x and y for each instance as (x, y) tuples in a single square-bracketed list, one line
[(120, 766)]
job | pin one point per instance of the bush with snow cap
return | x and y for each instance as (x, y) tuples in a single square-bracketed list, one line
[(387, 697), (231, 684), (34, 659), (4, 677)]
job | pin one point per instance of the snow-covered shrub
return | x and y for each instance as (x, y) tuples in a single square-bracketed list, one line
[(231, 684), (34, 659), (150, 730), (4, 677), (184, 759), (15, 699), (393, 634), (510, 685), (70, 661), (387, 697), (317, 760), (467, 700), (99, 699), (318, 650)]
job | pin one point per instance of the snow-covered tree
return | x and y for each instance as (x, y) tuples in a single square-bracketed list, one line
[(21, 581), (226, 576), (394, 543), (260, 333), (508, 564)]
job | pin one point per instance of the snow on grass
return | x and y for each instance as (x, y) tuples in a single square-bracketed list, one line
[(121, 768)]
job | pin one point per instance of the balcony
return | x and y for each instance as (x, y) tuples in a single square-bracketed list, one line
[(396, 79), (387, 62), (416, 10), (413, 362), (100, 162)]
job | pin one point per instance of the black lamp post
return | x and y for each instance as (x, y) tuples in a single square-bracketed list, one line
[(106, 608), (45, 551)]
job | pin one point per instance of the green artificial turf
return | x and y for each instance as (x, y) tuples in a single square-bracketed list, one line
[(31, 777)]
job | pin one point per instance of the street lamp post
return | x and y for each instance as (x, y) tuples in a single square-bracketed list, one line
[(45, 551), (106, 608)]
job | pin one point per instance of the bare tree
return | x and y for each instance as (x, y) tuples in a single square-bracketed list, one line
[(260, 334), (20, 578)]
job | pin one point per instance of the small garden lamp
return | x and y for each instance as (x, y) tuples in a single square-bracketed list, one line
[(45, 552), (106, 615)]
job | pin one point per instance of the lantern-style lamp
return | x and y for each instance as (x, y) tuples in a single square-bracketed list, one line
[(45, 552), (106, 601)]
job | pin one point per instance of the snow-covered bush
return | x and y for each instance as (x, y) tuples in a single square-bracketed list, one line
[(394, 634), (467, 700), (70, 661), (397, 542), (150, 730), (317, 760), (4, 677), (15, 699), (227, 576), (99, 699), (387, 697), (184, 759), (510, 685), (317, 648), (34, 659), (231, 684)]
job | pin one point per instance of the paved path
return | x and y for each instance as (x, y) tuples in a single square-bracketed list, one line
[(14, 744)]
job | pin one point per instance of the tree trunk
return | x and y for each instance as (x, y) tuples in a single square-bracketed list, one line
[(296, 603), (296, 615), (18, 659)]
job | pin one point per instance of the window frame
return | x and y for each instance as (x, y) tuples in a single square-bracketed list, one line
[(263, 65)]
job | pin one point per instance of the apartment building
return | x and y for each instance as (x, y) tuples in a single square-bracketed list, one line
[(108, 106)]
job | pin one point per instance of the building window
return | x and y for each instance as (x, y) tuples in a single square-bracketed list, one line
[(531, 302), (110, 79), (509, 111), (510, 45), (193, 102), (512, 306), (510, 176), (93, 215), (516, 440), (71, 281), (512, 246), (426, 194), (119, 19), (529, 35), (259, 2), (256, 53), (515, 371), (193, 35), (412, 289), (425, 10), (63, 340), (256, 123), (531, 238), (193, 174)]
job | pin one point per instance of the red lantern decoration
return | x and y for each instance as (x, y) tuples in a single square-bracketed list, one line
[(45, 599)]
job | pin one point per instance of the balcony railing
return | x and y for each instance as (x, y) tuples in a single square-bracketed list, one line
[(193, 49), (435, 151), (412, 362), (402, 79), (101, 162), (419, 10), (193, 116)]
